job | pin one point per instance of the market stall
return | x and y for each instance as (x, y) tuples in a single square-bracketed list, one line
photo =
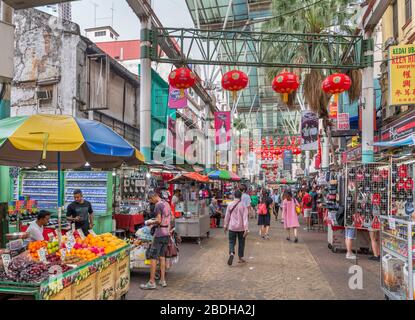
[(195, 221), (226, 182), (46, 269)]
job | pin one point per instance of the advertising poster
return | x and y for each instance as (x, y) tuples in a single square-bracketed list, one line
[(288, 160), (175, 100), (402, 75), (309, 130), (343, 122), (223, 130)]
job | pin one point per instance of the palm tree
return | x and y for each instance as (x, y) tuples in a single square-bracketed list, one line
[(316, 18)]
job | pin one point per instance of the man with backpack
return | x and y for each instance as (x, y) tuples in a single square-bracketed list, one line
[(236, 221)]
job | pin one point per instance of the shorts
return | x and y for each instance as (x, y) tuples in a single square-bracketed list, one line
[(307, 213), (158, 247), (350, 233)]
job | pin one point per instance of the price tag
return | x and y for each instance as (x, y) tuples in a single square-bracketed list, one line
[(51, 236), (42, 255), (63, 254), (6, 258), (81, 233), (73, 227), (92, 232), (392, 224)]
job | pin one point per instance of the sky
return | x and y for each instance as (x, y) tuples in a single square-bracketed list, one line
[(172, 13)]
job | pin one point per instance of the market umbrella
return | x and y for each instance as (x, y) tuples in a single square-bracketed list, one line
[(220, 175), (62, 142), (189, 177), (235, 177)]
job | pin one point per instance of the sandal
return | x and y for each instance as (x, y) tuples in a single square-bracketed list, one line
[(230, 260), (241, 260)]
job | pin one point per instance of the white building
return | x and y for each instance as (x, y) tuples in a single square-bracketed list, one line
[(101, 34)]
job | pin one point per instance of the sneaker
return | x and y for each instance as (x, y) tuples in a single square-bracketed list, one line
[(350, 256), (230, 260), (163, 284), (373, 258), (148, 286)]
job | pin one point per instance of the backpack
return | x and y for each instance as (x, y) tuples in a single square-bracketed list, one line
[(262, 209)]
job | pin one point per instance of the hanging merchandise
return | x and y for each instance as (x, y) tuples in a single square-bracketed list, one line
[(335, 84), (182, 78), (285, 83), (234, 81)]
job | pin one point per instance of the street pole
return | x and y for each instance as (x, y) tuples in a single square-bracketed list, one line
[(7, 17), (307, 163), (367, 109), (145, 89)]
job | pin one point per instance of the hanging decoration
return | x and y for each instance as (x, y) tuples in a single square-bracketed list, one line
[(234, 81), (335, 84), (285, 83), (182, 78)]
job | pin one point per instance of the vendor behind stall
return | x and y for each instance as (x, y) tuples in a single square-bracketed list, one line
[(35, 230), (80, 211)]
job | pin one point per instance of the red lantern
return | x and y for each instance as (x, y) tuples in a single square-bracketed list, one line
[(285, 83), (278, 151), (336, 83), (182, 78), (234, 81), (296, 151)]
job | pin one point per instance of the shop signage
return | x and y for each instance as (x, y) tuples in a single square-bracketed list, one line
[(309, 130), (176, 101), (399, 129), (333, 109), (288, 160), (343, 121), (223, 130), (402, 75)]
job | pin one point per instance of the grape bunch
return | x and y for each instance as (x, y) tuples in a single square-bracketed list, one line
[(22, 270)]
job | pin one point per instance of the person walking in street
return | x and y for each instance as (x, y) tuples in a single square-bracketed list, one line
[(307, 204), (215, 212), (236, 222), (276, 198), (289, 215), (264, 215), (254, 203), (246, 199), (157, 252)]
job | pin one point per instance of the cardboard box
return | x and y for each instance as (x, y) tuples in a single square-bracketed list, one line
[(122, 277), (106, 283), (65, 294), (85, 290)]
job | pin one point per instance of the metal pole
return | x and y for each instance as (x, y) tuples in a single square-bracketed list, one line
[(145, 89), (367, 109)]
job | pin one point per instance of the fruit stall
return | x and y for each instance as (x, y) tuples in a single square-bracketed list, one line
[(82, 268)]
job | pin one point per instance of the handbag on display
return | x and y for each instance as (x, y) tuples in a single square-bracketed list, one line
[(409, 208)]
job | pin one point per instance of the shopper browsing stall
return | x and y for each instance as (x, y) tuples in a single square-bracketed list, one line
[(80, 212), (35, 230), (162, 223), (215, 212)]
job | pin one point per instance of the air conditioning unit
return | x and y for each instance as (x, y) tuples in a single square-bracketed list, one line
[(43, 94)]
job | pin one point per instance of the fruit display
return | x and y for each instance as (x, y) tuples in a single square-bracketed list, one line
[(53, 247), (24, 270), (71, 259), (34, 247)]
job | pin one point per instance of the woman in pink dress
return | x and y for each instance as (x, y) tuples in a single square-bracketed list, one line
[(290, 215)]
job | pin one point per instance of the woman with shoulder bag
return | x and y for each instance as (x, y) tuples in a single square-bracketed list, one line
[(290, 215), (264, 215)]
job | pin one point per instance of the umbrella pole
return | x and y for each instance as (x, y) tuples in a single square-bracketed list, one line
[(59, 202)]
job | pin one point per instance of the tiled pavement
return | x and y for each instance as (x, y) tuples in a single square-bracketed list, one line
[(276, 269)]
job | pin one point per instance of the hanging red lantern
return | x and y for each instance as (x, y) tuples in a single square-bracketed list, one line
[(278, 151), (285, 83), (234, 81), (296, 151), (182, 78), (335, 84)]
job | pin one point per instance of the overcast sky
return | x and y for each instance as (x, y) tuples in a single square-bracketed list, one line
[(172, 13)]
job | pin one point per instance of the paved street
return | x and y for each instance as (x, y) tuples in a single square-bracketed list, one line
[(276, 269)]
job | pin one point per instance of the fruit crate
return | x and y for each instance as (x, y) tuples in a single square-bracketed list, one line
[(61, 287)]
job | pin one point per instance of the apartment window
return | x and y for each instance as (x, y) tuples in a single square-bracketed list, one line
[(408, 10), (100, 33), (395, 20)]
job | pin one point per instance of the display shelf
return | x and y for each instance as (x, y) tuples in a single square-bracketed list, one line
[(42, 187), (393, 236), (395, 254)]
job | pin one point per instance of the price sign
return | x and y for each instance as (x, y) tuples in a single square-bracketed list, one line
[(69, 245), (6, 258), (73, 227), (392, 224), (63, 254), (51, 236), (81, 233), (92, 232), (42, 255)]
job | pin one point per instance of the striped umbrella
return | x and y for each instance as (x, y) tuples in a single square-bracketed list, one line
[(220, 175)]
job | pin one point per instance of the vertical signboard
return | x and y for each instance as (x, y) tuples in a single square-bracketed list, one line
[(223, 130), (176, 100), (309, 130), (288, 160)]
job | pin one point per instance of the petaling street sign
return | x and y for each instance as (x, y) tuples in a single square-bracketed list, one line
[(402, 75)]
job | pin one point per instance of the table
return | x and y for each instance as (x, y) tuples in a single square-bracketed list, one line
[(128, 221)]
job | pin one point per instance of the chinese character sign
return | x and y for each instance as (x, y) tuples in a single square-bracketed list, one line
[(343, 122), (402, 75)]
